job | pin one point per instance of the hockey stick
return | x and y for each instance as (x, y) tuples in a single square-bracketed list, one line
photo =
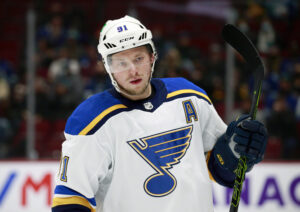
[(242, 44)]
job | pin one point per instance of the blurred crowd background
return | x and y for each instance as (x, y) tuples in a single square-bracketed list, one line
[(68, 68)]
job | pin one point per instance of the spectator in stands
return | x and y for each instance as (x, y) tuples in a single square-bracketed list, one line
[(171, 64), (72, 44), (53, 32), (45, 54), (7, 72), (283, 9), (88, 61), (17, 118), (64, 77), (98, 81), (215, 72), (282, 124), (266, 36), (42, 98), (185, 47)]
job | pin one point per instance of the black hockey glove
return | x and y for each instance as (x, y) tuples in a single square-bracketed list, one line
[(243, 137)]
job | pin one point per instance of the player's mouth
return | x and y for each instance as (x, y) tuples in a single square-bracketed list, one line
[(136, 81)]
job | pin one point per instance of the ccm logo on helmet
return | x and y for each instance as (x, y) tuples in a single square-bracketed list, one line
[(126, 39)]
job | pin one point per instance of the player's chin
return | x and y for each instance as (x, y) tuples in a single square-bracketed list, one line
[(137, 89)]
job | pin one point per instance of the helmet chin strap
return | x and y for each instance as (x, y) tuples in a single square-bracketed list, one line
[(114, 82)]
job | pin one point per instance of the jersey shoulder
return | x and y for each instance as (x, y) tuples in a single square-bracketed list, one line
[(92, 113), (181, 87)]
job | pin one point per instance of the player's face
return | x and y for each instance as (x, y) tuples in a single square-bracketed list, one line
[(132, 71)]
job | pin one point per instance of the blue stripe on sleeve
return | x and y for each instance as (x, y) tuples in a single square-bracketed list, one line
[(71, 208)]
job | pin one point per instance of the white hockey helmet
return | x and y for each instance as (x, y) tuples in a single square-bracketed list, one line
[(122, 34)]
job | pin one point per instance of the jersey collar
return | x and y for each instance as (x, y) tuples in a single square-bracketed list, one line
[(149, 104)]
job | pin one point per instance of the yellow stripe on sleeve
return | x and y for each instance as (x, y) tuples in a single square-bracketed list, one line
[(77, 200), (100, 117), (175, 93), (207, 159)]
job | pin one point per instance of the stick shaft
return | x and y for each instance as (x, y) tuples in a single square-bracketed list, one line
[(245, 47)]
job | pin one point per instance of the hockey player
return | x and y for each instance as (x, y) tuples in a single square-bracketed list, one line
[(148, 144)]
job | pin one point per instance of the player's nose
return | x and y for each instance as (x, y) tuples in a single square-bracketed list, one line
[(133, 69)]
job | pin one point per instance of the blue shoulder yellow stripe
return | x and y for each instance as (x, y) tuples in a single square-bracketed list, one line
[(91, 113), (180, 87)]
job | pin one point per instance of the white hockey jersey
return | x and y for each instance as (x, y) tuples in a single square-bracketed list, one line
[(140, 156)]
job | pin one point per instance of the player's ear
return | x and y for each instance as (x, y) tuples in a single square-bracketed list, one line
[(152, 59)]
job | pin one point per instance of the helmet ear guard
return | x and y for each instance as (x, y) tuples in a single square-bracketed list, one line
[(123, 34)]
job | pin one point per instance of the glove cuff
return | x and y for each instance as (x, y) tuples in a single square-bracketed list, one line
[(224, 156)]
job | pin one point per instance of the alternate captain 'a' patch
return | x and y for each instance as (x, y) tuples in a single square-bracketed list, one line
[(162, 151)]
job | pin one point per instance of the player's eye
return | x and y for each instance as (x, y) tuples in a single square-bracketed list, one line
[(122, 64), (139, 60)]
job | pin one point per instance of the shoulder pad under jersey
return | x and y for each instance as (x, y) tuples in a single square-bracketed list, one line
[(92, 113), (180, 87)]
